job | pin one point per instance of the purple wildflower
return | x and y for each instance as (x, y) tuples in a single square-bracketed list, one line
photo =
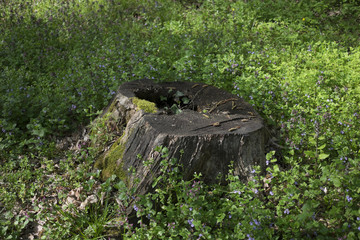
[(191, 222), (136, 208)]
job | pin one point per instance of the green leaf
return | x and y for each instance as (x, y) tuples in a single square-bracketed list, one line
[(179, 94), (309, 153), (323, 156), (291, 152), (120, 185), (269, 155), (322, 147), (276, 169), (336, 181), (220, 218), (175, 109), (156, 181), (185, 100)]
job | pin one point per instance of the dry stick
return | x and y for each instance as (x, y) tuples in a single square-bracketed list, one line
[(225, 121), (197, 93), (222, 102)]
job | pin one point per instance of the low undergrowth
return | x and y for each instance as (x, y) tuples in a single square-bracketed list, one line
[(296, 62)]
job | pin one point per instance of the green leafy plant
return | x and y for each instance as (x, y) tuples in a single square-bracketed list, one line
[(296, 62)]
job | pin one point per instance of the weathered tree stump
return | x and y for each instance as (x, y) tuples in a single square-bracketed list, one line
[(210, 126)]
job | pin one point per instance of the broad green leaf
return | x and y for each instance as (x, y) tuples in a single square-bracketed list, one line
[(179, 94), (185, 100), (276, 168), (309, 153), (336, 181), (322, 146), (323, 156)]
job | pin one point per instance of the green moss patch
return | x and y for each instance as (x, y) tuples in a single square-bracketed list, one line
[(147, 106), (109, 162)]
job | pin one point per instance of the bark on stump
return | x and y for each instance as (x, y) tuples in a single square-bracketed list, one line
[(212, 127)]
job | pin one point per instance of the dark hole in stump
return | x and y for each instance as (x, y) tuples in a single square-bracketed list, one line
[(167, 100)]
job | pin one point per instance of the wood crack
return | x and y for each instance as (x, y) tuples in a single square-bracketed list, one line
[(216, 124)]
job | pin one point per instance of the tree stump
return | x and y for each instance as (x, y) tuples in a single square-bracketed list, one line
[(204, 127)]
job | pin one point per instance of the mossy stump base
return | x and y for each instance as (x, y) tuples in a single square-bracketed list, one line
[(204, 127)]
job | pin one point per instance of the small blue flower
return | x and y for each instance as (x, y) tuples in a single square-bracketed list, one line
[(249, 237), (287, 211), (136, 208), (191, 222), (271, 193)]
